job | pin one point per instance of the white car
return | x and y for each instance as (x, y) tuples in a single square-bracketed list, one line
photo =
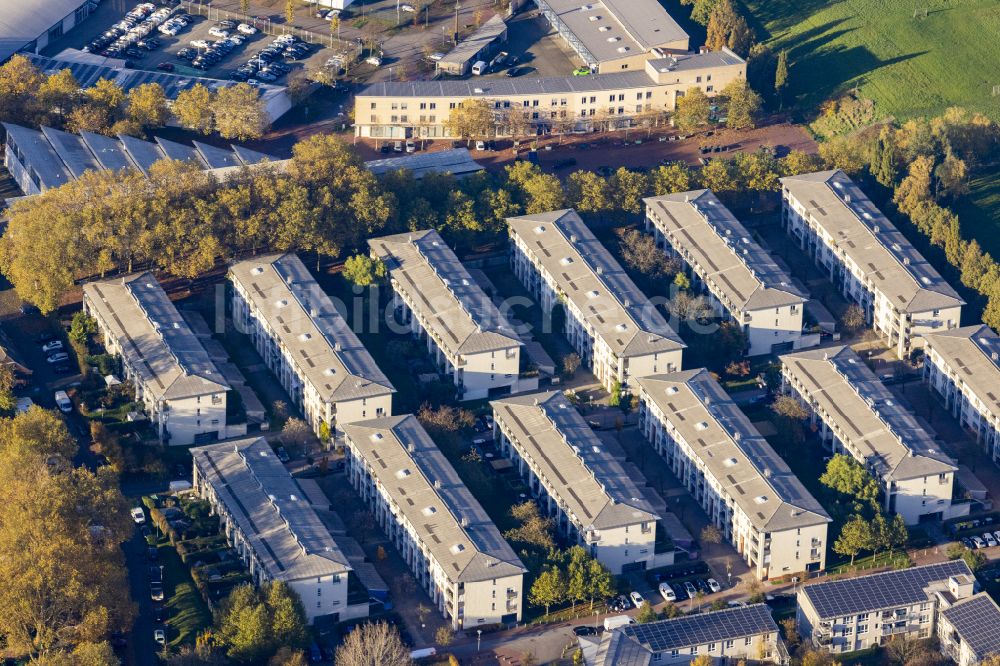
[(199, 43), (160, 636), (636, 598), (667, 592), (138, 515), (374, 60), (436, 56), (480, 145), (332, 14), (990, 541), (692, 592), (714, 585), (977, 542), (58, 357), (410, 146), (218, 32), (246, 29), (408, 8), (54, 345)]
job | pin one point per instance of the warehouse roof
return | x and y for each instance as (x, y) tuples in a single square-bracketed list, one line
[(973, 352), (272, 511), (733, 452), (23, 22), (155, 340), (595, 283), (721, 251), (457, 312), (613, 29), (861, 232), (562, 449), (869, 418), (880, 591), (432, 498), (305, 320)]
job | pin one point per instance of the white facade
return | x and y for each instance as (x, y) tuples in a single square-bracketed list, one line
[(869, 261), (733, 474), (575, 481), (453, 549), (617, 331), (743, 283)]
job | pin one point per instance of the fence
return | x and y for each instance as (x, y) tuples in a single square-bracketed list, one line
[(342, 46)]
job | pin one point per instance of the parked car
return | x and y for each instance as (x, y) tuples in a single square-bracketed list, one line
[(436, 56), (246, 29), (160, 636), (315, 654), (165, 67), (374, 60), (990, 541), (690, 590), (283, 454), (636, 598), (408, 8), (667, 592), (581, 71), (516, 71), (138, 515), (58, 357), (62, 369), (977, 542), (410, 146), (713, 585), (63, 402), (152, 553), (156, 574), (156, 592), (480, 145), (584, 630), (52, 345)]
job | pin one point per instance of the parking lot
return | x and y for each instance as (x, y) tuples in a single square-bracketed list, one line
[(539, 50)]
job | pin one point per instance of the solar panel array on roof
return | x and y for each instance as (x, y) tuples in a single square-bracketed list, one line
[(693, 630), (977, 621), (880, 591)]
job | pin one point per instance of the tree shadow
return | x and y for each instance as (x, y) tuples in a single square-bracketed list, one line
[(771, 17)]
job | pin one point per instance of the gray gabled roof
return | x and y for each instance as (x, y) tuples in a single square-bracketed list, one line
[(977, 620), (584, 270), (427, 491), (506, 87), (888, 260), (866, 594), (37, 154), (456, 161), (733, 451), (870, 417), (472, 45), (711, 239), (461, 316), (307, 323), (700, 629), (156, 341), (24, 22), (973, 352), (592, 486)]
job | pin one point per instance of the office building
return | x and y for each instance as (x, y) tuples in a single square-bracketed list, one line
[(869, 261), (746, 489), (452, 547), (183, 392), (575, 480), (743, 283), (855, 414), (617, 331), (307, 344)]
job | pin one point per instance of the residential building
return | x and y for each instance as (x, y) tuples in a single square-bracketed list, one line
[(31, 26), (46, 158), (399, 109), (480, 45), (184, 394), (744, 284), (471, 342), (452, 547), (967, 631), (867, 611), (617, 331), (575, 480), (746, 489), (615, 35), (272, 526), (855, 414), (742, 633), (869, 261), (307, 344), (963, 366)]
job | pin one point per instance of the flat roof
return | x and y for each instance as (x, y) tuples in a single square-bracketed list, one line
[(307, 323), (470, 47), (590, 277), (870, 417), (614, 29), (154, 338), (733, 451), (849, 596), (271, 509), (973, 352), (428, 492), (506, 87), (563, 450), (976, 620), (459, 313), (23, 22), (858, 229), (681, 62), (701, 628), (456, 161), (711, 239)]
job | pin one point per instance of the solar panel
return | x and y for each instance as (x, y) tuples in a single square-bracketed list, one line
[(694, 630), (976, 621)]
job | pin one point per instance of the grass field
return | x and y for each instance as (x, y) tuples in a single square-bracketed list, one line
[(909, 66), (979, 211)]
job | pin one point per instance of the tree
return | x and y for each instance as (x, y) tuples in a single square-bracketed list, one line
[(627, 189), (646, 614), (588, 192), (8, 401), (471, 119), (239, 112), (615, 399), (570, 364), (744, 105), (974, 558), (639, 252), (19, 80), (671, 178), (895, 534), (790, 408), (855, 536), (692, 110), (288, 616), (781, 75), (287, 656), (847, 476), (853, 319), (81, 327), (702, 660), (883, 163), (444, 636), (798, 162), (362, 270), (244, 627), (951, 176), (534, 529), (193, 109), (58, 93), (147, 106), (915, 188), (711, 534), (548, 589), (373, 644), (289, 11)]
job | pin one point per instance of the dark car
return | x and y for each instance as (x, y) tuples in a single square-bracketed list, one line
[(62, 369), (165, 67), (159, 613), (156, 574), (516, 71), (152, 554), (564, 163), (315, 654), (584, 630)]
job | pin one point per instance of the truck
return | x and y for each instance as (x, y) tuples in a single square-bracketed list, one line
[(616, 621), (63, 402)]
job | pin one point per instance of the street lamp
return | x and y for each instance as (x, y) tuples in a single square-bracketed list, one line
[(479, 638)]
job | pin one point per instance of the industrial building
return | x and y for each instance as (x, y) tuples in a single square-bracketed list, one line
[(31, 26)]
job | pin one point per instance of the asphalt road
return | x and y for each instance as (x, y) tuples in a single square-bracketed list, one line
[(141, 647)]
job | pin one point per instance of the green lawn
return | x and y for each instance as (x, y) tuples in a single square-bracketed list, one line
[(188, 613), (909, 66), (979, 211)]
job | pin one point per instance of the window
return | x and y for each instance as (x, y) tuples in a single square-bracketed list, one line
[(423, 105), (862, 628), (319, 604), (697, 79), (709, 88), (711, 647), (433, 105), (748, 640)]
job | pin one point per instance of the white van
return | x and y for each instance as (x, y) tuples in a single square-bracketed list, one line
[(616, 621), (479, 67), (63, 402)]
